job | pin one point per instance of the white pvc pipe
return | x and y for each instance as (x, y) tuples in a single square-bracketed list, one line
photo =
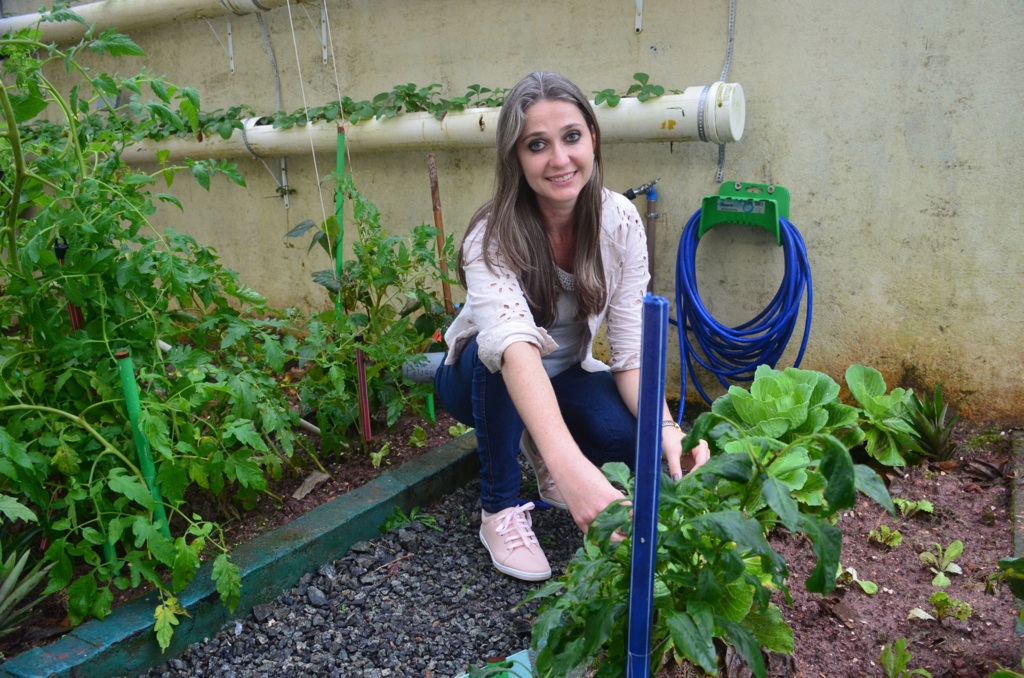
[(133, 15), (669, 118)]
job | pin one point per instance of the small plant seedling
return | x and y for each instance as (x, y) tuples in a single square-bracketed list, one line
[(493, 669), (607, 96), (932, 430), (1008, 673), (848, 575), (643, 89), (886, 536), (399, 519), (418, 437), (895, 661), (376, 458), (456, 430), (940, 561), (944, 607), (909, 507)]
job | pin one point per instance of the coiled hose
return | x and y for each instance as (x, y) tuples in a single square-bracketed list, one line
[(734, 353)]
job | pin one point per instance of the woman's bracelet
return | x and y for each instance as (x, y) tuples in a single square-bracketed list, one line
[(670, 422)]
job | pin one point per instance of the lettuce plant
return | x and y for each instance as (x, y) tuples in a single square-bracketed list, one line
[(883, 416)]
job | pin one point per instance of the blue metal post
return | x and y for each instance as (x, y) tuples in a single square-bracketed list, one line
[(648, 471)]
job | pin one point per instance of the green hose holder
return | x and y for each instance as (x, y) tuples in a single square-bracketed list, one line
[(749, 204), (142, 449), (339, 213)]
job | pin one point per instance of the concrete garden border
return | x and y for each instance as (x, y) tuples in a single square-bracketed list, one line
[(123, 643)]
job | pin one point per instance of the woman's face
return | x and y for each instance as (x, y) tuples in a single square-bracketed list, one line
[(556, 152)]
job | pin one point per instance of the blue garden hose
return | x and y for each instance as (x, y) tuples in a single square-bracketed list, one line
[(734, 353)]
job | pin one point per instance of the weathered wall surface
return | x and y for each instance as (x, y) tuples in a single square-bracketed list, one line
[(895, 125)]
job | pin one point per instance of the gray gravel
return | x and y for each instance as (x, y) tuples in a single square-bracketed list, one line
[(414, 602)]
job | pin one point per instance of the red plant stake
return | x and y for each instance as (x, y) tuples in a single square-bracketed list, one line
[(364, 393), (60, 248)]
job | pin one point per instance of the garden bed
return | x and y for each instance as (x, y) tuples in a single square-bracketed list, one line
[(839, 637)]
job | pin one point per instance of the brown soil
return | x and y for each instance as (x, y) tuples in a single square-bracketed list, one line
[(841, 636)]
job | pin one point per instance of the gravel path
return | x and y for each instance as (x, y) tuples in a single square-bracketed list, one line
[(414, 602)]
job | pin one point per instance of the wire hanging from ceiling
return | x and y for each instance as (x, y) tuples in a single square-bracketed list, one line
[(305, 107), (731, 37)]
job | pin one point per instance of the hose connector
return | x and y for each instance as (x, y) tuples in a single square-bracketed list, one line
[(643, 189)]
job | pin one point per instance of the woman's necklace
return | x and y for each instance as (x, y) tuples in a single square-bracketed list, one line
[(566, 280)]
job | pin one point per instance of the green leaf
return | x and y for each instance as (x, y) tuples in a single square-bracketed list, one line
[(746, 645), (167, 197), (837, 467), (165, 618), (14, 510), (827, 542), (27, 106), (618, 473), (60, 14), (872, 485), (736, 600), (201, 173), (244, 431), (866, 384), (186, 562), (770, 629), (692, 637), (229, 582), (133, 488), (81, 595), (778, 498), (147, 533), (868, 587), (155, 429), (739, 468), (115, 44), (238, 467), (746, 532)]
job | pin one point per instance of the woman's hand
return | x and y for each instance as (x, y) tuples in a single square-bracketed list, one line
[(698, 456), (587, 493), (672, 449)]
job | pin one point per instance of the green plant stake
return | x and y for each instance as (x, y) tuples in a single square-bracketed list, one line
[(131, 400), (339, 212)]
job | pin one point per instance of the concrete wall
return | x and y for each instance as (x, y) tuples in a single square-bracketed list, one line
[(895, 125)]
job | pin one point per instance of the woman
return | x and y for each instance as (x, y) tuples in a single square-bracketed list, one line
[(545, 262)]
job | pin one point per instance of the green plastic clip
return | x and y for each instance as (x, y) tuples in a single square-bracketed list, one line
[(750, 204)]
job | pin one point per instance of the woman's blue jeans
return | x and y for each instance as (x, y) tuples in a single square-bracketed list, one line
[(590, 404)]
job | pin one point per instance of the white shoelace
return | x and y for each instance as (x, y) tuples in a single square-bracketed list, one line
[(516, 527)]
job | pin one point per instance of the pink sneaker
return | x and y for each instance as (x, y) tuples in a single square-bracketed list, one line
[(508, 536), (545, 485)]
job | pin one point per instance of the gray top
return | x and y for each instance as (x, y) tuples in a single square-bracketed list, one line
[(570, 334)]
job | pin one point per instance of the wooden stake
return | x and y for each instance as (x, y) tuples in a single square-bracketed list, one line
[(435, 194)]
